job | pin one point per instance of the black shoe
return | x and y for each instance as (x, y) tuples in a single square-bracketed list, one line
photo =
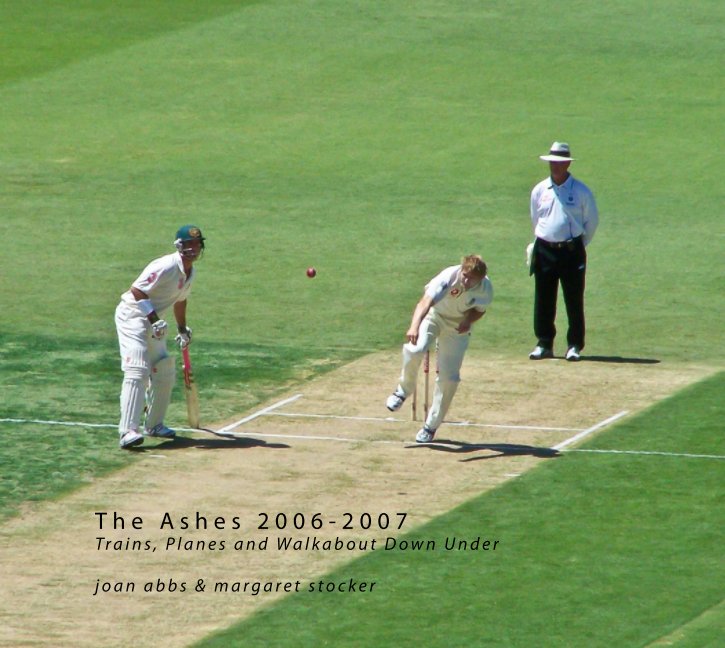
[(539, 353), (573, 355)]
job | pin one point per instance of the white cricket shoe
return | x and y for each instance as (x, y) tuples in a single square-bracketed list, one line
[(130, 438), (161, 431), (539, 353), (395, 401), (573, 355), (425, 435)]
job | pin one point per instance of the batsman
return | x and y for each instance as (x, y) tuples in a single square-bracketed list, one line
[(149, 373), (452, 302)]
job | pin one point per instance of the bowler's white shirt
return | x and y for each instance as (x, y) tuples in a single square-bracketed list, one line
[(164, 281), (563, 212), (451, 300)]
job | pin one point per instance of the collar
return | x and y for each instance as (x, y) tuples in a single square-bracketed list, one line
[(180, 266), (566, 184)]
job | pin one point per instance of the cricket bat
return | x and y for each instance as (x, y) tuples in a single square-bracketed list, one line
[(426, 372), (190, 391)]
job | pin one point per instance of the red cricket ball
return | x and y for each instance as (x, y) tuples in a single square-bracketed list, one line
[(311, 272)]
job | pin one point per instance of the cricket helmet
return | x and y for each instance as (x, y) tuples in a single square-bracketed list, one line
[(184, 235)]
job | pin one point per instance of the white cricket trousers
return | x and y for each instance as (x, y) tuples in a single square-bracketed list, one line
[(451, 350), (146, 364)]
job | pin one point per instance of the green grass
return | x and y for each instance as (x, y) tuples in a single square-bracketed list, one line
[(40, 37), (595, 550), (379, 142), (79, 382), (403, 139)]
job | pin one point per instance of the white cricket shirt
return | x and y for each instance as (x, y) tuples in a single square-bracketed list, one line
[(560, 213), (451, 300), (164, 281)]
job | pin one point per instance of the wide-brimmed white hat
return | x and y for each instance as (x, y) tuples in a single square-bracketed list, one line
[(559, 152)]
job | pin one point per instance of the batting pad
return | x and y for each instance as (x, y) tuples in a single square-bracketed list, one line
[(132, 399), (163, 377)]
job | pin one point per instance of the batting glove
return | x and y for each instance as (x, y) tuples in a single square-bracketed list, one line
[(183, 339), (159, 329)]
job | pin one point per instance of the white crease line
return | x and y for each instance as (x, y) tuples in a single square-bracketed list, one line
[(66, 423), (392, 419), (513, 427), (648, 452), (226, 428), (262, 412), (302, 437), (242, 435), (588, 431), (309, 437), (387, 419)]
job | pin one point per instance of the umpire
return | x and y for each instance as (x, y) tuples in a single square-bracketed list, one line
[(564, 216)]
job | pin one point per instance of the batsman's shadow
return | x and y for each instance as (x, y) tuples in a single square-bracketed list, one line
[(232, 443), (500, 449)]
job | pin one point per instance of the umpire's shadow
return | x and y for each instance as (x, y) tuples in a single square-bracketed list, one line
[(501, 449), (232, 443), (619, 360)]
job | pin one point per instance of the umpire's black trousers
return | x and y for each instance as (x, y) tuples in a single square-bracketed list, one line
[(551, 264)]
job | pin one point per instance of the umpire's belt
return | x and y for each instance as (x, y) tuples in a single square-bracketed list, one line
[(557, 245)]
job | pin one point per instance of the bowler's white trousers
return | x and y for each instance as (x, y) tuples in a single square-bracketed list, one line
[(451, 350)]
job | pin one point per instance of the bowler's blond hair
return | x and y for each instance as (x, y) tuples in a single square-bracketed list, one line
[(475, 264)]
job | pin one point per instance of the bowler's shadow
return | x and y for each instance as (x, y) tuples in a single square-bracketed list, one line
[(231, 443), (501, 449), (619, 360)]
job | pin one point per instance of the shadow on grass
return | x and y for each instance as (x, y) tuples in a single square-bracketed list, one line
[(619, 360), (502, 449), (236, 443)]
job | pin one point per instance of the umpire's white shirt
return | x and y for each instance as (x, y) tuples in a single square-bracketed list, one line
[(563, 212), (164, 281), (451, 300)]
